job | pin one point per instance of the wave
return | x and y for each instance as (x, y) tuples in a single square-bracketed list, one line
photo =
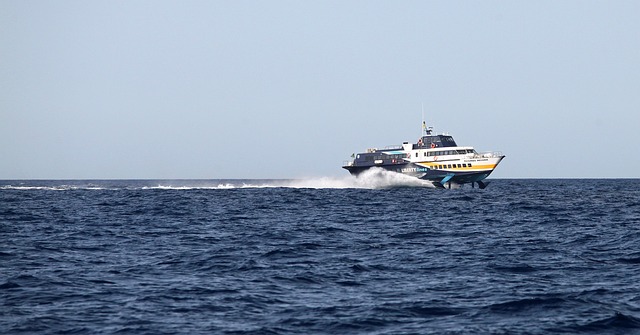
[(618, 321)]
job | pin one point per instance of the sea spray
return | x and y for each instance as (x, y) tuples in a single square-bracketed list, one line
[(375, 178)]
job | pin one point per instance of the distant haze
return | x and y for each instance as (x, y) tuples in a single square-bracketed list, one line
[(290, 89)]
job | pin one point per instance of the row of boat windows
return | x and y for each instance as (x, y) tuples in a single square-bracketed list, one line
[(447, 152), (431, 153), (371, 158), (450, 166)]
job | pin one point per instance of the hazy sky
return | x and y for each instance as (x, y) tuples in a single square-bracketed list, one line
[(289, 89)]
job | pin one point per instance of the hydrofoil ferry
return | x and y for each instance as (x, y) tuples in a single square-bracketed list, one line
[(435, 158)]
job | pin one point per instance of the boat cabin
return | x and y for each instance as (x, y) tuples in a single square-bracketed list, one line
[(435, 141), (379, 157)]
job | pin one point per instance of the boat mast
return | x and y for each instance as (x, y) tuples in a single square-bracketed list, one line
[(424, 124)]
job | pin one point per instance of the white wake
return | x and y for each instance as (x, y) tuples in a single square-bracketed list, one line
[(375, 178)]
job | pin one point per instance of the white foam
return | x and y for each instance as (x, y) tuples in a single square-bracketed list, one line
[(225, 186), (375, 178), (46, 188)]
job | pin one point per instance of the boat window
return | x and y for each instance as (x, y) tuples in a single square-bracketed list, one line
[(416, 154), (449, 166), (464, 164), (469, 164), (462, 152), (469, 151), (459, 165), (446, 139), (425, 154)]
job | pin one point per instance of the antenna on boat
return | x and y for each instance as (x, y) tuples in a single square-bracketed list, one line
[(425, 130), (424, 124)]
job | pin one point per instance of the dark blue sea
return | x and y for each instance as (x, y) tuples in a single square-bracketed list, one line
[(319, 256)]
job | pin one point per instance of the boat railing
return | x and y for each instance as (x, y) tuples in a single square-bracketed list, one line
[(348, 163), (393, 147)]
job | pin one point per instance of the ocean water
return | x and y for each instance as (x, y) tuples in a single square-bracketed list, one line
[(374, 255)]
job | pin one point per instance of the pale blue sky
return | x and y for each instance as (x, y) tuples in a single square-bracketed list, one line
[(289, 89)]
